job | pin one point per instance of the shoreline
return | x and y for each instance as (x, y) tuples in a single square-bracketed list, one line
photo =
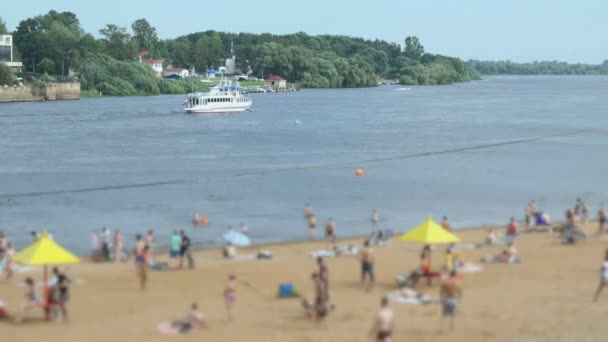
[(163, 249)]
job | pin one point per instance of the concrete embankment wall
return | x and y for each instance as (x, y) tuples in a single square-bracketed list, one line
[(53, 91)]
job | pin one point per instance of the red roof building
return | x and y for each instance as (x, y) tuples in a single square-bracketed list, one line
[(275, 78), (275, 82)]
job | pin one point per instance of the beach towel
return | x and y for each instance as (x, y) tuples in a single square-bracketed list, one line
[(158, 266), (496, 260), (324, 253), (409, 296), (340, 251), (167, 328), (469, 268)]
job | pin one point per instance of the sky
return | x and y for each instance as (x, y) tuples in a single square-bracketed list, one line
[(518, 30)]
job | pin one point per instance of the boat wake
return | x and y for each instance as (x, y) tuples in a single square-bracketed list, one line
[(403, 89)]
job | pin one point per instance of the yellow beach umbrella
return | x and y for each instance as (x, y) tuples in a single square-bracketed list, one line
[(429, 232), (45, 251)]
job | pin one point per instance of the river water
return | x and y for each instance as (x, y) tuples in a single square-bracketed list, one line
[(151, 166)]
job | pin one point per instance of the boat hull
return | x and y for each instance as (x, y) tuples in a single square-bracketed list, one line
[(195, 110)]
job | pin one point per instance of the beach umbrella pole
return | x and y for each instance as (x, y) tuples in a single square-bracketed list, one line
[(46, 293)]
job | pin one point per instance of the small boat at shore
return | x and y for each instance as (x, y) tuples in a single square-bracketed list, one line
[(226, 97)]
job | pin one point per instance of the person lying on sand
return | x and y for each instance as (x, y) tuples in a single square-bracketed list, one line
[(507, 256), (192, 319)]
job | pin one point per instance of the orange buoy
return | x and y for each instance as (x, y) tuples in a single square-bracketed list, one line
[(204, 220), (360, 172)]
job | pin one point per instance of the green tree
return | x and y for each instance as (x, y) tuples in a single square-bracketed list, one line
[(413, 48), (55, 35), (6, 75), (118, 43), (46, 66), (145, 35), (3, 29), (179, 52), (208, 51)]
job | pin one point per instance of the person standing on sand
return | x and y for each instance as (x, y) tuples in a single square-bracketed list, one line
[(230, 296), (9, 254), (3, 240), (367, 265), (512, 230), (324, 277), (176, 244), (150, 240), (106, 243), (118, 246), (318, 308), (530, 213), (141, 264), (446, 224), (601, 218), (32, 300), (384, 322), (603, 277), (62, 292), (184, 251), (450, 295)]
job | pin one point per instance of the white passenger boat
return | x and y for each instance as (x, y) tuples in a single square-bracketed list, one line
[(225, 97)]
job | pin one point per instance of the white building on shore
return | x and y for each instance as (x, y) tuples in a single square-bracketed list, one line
[(6, 52)]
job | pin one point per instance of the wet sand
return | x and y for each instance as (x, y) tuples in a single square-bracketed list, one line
[(546, 298)]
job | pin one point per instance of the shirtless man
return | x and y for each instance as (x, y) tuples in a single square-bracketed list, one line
[(319, 309), (368, 258), (384, 322), (324, 277), (450, 295)]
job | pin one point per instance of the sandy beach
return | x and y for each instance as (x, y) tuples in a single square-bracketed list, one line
[(548, 297)]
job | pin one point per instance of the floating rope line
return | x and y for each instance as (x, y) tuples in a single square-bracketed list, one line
[(301, 168)]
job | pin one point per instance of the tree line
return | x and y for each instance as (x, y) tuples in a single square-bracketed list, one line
[(537, 68), (55, 42)]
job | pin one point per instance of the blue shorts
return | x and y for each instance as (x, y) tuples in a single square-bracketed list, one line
[(174, 254)]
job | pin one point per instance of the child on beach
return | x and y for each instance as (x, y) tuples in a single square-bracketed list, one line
[(230, 295), (32, 300)]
